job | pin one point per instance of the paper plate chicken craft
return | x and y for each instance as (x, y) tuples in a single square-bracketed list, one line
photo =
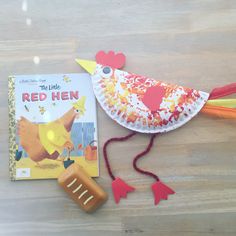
[(145, 105), (48, 140)]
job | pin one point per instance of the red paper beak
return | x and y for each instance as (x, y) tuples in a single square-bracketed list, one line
[(161, 191), (120, 189)]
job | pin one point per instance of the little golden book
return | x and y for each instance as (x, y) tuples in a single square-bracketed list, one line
[(52, 124)]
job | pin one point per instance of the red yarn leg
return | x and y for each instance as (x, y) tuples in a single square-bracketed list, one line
[(140, 155), (160, 190), (116, 139), (119, 187)]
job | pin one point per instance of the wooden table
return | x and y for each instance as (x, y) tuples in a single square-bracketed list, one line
[(186, 42)]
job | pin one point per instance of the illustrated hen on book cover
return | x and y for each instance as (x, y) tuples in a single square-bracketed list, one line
[(52, 124)]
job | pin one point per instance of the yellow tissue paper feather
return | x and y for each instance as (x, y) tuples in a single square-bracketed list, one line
[(231, 103)]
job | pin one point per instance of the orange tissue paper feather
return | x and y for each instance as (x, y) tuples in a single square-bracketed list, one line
[(218, 111)]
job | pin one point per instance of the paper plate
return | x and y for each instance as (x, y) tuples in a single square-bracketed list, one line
[(143, 104)]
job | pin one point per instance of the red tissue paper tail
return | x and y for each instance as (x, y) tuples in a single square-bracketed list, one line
[(161, 191), (120, 189), (223, 91)]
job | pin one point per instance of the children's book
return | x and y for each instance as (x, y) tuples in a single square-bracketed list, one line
[(52, 124)]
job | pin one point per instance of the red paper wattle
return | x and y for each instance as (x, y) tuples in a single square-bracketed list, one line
[(120, 189), (161, 191)]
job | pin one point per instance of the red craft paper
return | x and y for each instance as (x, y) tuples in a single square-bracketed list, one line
[(161, 191), (111, 59), (120, 189), (153, 97)]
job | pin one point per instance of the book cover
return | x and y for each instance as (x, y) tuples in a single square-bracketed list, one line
[(52, 123)]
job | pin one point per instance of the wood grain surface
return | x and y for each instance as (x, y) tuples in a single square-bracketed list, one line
[(189, 42)]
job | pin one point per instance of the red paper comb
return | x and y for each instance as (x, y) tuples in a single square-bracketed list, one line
[(111, 59)]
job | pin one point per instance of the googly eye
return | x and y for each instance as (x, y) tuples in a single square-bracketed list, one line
[(106, 72)]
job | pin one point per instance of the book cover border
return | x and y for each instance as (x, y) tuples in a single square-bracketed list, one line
[(12, 126)]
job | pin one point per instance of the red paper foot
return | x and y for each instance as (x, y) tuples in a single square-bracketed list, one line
[(161, 191), (120, 189)]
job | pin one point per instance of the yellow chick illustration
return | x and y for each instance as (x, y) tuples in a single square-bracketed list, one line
[(80, 105)]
